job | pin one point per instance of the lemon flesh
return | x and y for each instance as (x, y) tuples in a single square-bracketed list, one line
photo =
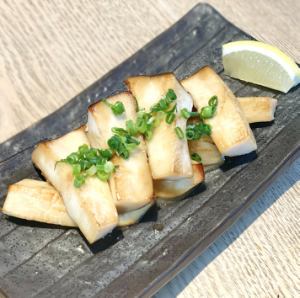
[(260, 63)]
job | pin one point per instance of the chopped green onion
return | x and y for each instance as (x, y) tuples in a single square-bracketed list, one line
[(205, 129), (173, 109), (87, 162), (141, 126), (158, 118), (197, 130), (163, 104), (213, 101), (84, 164), (119, 131), (83, 149), (117, 145), (117, 108), (91, 171), (76, 169), (179, 132), (131, 140), (171, 95), (185, 113), (155, 108), (141, 122), (151, 120), (124, 153), (72, 158), (131, 127), (130, 147), (194, 114), (105, 153), (207, 112), (109, 167), (190, 134), (103, 176), (146, 122), (170, 118), (148, 134), (210, 110), (114, 143), (79, 180), (122, 145), (196, 157)]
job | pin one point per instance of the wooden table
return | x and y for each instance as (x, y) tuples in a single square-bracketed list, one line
[(51, 50)]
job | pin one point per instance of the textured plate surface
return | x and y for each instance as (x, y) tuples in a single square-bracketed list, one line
[(46, 261)]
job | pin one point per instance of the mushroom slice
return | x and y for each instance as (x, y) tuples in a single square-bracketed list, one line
[(131, 185), (91, 206), (209, 153), (168, 155), (133, 216), (172, 189), (38, 201), (258, 109), (230, 130)]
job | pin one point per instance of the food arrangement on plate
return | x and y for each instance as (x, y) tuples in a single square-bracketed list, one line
[(155, 140)]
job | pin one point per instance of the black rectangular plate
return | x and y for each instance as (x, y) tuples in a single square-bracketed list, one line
[(46, 261)]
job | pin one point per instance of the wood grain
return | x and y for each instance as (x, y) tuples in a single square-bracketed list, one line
[(51, 50)]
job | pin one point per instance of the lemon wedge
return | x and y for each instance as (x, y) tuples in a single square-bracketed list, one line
[(260, 63)]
